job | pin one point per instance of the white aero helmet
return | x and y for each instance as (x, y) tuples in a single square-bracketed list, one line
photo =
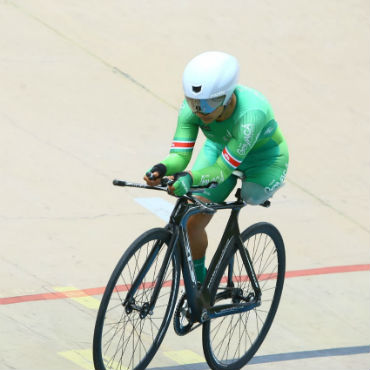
[(209, 81)]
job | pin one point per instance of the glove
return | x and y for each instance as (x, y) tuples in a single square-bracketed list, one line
[(182, 184), (160, 168)]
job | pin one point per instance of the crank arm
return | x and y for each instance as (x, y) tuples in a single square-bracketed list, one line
[(229, 309)]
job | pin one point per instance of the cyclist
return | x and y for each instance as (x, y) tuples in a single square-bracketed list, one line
[(241, 133)]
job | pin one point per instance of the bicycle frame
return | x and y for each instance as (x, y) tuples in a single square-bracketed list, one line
[(198, 299)]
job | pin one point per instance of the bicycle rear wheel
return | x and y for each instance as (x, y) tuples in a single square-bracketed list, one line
[(127, 335), (229, 342)]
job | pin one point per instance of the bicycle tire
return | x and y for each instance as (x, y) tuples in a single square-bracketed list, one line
[(124, 340), (229, 342)]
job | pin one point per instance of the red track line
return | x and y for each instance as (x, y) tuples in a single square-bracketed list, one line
[(100, 290)]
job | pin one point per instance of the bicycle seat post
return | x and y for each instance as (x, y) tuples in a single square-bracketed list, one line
[(239, 175), (238, 195)]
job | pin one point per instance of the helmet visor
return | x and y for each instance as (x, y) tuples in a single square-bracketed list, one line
[(205, 106)]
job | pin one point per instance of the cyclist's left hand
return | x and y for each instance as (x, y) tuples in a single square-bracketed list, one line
[(182, 184)]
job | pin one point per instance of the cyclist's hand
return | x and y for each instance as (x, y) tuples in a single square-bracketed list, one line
[(183, 182), (154, 175), (152, 179)]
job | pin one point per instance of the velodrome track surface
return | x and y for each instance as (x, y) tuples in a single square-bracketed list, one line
[(90, 91)]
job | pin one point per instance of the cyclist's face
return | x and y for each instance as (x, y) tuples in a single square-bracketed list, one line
[(210, 117)]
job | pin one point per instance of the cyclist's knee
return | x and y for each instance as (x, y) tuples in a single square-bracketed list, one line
[(198, 222)]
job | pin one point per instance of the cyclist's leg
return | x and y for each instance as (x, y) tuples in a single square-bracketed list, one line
[(264, 178), (256, 194), (198, 242), (197, 223)]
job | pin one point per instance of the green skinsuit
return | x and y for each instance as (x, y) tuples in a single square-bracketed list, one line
[(250, 141)]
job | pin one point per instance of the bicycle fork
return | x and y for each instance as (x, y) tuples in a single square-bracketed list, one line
[(147, 308)]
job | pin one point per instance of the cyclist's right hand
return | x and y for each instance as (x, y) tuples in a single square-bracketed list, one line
[(154, 175)]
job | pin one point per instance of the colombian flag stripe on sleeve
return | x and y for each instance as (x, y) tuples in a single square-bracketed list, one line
[(182, 144), (230, 160)]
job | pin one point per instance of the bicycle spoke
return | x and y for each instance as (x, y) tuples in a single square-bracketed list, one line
[(129, 334), (231, 339)]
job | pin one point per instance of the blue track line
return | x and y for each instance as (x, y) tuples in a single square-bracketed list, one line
[(278, 357)]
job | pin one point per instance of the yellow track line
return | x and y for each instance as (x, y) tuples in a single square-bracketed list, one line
[(75, 294)]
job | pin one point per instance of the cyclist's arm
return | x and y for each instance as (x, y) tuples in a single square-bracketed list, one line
[(183, 142), (245, 136)]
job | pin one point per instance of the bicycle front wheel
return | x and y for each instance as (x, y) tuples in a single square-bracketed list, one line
[(229, 342), (127, 334)]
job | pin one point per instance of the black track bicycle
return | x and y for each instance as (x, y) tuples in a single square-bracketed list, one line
[(235, 305)]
